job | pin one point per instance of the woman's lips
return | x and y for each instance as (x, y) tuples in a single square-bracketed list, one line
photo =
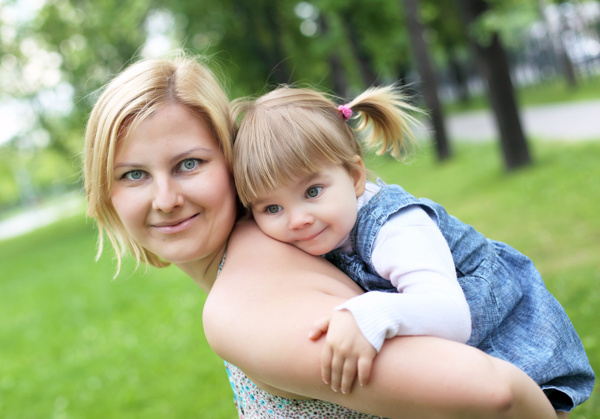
[(175, 226)]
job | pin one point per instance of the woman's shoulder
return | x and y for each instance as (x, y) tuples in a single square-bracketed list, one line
[(260, 269), (274, 265), (268, 295)]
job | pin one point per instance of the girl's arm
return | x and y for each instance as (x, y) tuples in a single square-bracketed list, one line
[(261, 308), (412, 254)]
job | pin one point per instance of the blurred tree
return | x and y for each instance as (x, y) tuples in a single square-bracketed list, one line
[(340, 79), (65, 52), (251, 40), (56, 59), (362, 58), (444, 25), (429, 78), (556, 32), (373, 43), (493, 65)]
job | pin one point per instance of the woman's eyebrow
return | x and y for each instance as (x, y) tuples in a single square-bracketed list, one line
[(173, 159), (127, 165), (183, 154)]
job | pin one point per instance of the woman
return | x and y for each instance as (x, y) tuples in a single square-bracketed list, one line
[(157, 176)]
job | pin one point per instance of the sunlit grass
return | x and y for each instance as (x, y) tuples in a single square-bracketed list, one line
[(75, 343)]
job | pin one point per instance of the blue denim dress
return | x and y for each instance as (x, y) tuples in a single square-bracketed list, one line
[(514, 317)]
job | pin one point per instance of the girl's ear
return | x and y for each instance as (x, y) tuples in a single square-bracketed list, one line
[(359, 175)]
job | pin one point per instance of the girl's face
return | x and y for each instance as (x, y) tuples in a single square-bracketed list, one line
[(315, 212), (172, 189)]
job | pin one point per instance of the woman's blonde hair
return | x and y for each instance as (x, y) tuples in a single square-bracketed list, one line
[(130, 98), (291, 132)]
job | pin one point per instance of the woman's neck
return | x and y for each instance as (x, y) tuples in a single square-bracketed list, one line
[(204, 272)]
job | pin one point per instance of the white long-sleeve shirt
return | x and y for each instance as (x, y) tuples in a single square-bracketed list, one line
[(411, 252)]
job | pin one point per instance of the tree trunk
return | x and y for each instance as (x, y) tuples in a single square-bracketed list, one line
[(362, 60), (266, 48), (429, 83), (458, 75), (279, 69), (493, 65), (340, 84)]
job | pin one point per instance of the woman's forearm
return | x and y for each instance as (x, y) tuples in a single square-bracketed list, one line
[(262, 307), (425, 377)]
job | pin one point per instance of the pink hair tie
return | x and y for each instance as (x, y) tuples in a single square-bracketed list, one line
[(345, 111)]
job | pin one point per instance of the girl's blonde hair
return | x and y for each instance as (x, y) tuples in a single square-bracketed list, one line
[(129, 99), (291, 132)]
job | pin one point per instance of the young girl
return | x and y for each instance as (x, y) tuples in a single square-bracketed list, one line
[(298, 167)]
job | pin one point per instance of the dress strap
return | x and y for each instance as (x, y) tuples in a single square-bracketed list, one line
[(222, 262)]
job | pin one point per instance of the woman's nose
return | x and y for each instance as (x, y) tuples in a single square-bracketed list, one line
[(299, 219), (167, 197)]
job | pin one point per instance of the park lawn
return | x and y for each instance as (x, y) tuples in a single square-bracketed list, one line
[(76, 343)]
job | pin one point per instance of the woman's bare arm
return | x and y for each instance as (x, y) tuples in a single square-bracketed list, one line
[(262, 306)]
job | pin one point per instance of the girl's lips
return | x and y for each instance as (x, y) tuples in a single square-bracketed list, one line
[(311, 237), (176, 227)]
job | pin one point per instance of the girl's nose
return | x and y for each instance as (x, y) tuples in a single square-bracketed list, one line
[(166, 197), (300, 219)]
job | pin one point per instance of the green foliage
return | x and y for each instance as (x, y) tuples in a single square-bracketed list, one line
[(83, 44), (76, 343), (509, 20)]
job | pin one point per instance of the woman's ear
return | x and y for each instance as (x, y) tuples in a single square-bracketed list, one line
[(359, 175)]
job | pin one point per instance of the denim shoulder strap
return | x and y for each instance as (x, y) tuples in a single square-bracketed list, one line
[(389, 200)]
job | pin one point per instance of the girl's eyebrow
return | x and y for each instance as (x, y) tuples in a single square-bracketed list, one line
[(302, 182), (311, 177)]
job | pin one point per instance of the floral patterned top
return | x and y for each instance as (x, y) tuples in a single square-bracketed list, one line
[(253, 402)]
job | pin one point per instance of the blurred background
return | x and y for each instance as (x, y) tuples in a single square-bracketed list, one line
[(512, 91)]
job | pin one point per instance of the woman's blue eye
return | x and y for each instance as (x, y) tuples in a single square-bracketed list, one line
[(133, 175), (313, 191), (189, 164), (273, 209)]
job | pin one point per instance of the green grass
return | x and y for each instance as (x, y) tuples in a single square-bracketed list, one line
[(75, 343)]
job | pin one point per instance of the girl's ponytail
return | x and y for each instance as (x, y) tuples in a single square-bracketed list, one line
[(383, 121)]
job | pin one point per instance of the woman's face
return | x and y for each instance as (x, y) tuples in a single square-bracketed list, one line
[(172, 189)]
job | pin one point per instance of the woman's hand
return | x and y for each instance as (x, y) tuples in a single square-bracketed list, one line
[(346, 351)]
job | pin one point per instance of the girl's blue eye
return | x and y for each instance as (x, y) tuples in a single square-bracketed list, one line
[(189, 164), (133, 175), (313, 191), (273, 209)]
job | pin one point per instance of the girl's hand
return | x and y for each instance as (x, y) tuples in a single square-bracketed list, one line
[(346, 351)]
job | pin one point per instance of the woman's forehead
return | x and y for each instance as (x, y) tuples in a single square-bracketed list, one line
[(174, 126)]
